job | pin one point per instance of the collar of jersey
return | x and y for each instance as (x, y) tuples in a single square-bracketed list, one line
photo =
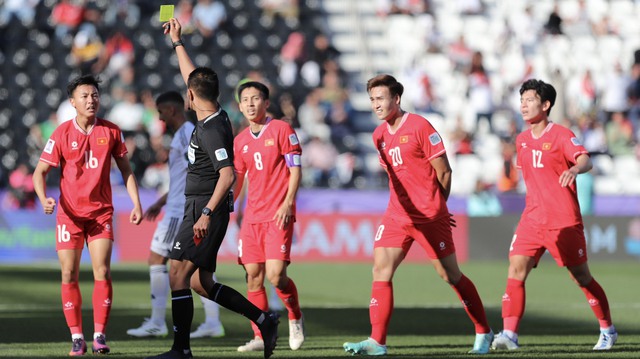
[(206, 119)]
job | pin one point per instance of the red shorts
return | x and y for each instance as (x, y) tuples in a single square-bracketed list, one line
[(435, 237), (567, 245), (258, 242), (72, 234)]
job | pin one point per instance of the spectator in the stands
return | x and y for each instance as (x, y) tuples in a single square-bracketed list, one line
[(208, 16)]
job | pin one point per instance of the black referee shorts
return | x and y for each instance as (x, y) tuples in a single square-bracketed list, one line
[(204, 254)]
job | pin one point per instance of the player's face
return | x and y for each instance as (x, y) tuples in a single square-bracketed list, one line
[(385, 106), (532, 108), (252, 105), (86, 100)]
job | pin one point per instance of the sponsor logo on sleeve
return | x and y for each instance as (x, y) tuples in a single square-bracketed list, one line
[(575, 141), (293, 139), (49, 147), (434, 139), (221, 154), (122, 137)]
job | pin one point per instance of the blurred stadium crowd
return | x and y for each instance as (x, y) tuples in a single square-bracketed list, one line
[(461, 62)]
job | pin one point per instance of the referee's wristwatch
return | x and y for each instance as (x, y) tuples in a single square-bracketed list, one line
[(207, 211)]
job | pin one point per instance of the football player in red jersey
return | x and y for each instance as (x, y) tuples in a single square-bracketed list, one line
[(412, 153), (550, 157), (268, 154), (83, 148)]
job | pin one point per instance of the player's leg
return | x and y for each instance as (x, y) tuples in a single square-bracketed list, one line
[(161, 244), (159, 287), (72, 298), (513, 301), (234, 301), (212, 326), (256, 294), (385, 262), (278, 255), (100, 251), (599, 303), (288, 294), (448, 269)]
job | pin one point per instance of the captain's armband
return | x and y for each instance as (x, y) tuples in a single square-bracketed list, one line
[(293, 160)]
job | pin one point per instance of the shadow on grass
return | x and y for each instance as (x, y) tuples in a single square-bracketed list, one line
[(352, 324)]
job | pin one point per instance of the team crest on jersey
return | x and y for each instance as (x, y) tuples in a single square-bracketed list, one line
[(293, 139), (221, 154), (102, 140), (49, 147), (575, 141), (546, 146), (404, 139), (435, 139), (269, 142)]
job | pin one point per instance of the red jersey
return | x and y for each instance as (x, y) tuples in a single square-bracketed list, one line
[(85, 160), (262, 159), (415, 196), (542, 161)]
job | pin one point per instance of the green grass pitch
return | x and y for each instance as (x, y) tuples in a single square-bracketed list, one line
[(428, 321)]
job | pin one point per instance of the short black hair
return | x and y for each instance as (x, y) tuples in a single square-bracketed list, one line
[(82, 80), (545, 91), (204, 82), (388, 81), (262, 88), (170, 97)]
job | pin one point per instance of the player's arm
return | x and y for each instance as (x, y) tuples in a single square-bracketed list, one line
[(132, 188), (40, 186), (443, 172), (154, 210), (285, 211), (583, 164), (174, 29), (220, 193)]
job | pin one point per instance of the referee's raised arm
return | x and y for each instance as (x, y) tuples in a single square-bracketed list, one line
[(174, 29)]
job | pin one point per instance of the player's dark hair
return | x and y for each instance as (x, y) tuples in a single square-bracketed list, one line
[(262, 88), (545, 91), (82, 80), (203, 81), (170, 97), (388, 81)]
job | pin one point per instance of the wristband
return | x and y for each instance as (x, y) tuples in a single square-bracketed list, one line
[(177, 43)]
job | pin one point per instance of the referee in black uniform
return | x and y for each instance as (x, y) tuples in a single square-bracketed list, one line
[(210, 177)]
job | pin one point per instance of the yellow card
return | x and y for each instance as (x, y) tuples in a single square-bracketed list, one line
[(166, 12)]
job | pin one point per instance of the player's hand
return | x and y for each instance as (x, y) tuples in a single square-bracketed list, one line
[(173, 28), (136, 215), (201, 228), (152, 212), (452, 221), (568, 177), (284, 215), (49, 205)]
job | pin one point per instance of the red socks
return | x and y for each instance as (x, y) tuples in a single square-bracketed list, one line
[(102, 298), (72, 306), (599, 304), (513, 302), (259, 299), (289, 297), (472, 304), (380, 309)]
